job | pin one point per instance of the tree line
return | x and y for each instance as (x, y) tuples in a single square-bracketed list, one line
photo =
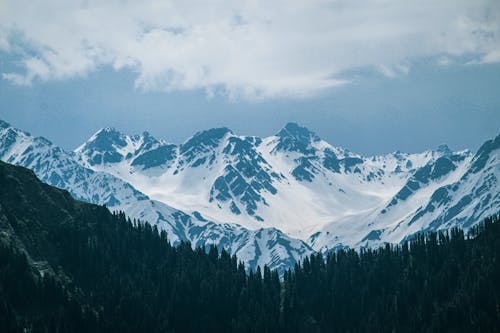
[(114, 274)]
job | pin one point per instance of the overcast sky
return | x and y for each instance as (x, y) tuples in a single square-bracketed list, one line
[(374, 75)]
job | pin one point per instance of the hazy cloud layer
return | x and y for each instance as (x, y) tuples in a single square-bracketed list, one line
[(243, 48)]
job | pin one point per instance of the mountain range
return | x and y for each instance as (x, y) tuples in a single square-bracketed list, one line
[(268, 200)]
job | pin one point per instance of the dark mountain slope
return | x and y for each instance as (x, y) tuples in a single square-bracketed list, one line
[(117, 276), (442, 282)]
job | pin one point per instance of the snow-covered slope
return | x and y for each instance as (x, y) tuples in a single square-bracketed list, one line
[(265, 246), (214, 171), (389, 221), (59, 168), (296, 182)]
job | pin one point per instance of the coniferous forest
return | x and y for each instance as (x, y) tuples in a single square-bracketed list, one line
[(68, 266)]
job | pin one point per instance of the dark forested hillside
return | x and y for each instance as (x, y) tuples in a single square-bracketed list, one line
[(439, 283), (68, 266)]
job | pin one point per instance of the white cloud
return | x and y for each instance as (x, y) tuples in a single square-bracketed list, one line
[(18, 79), (444, 61), (394, 70), (245, 48), (4, 42), (491, 57), (34, 68)]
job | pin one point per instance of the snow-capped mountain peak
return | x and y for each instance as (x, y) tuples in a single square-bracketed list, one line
[(298, 183), (57, 167), (444, 149), (108, 145), (295, 138), (4, 124)]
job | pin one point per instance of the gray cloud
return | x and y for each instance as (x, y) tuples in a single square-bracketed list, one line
[(250, 49)]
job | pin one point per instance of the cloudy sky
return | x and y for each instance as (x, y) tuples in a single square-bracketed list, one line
[(373, 75)]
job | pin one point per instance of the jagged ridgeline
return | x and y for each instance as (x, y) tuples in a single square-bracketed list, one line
[(69, 266), (272, 200)]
